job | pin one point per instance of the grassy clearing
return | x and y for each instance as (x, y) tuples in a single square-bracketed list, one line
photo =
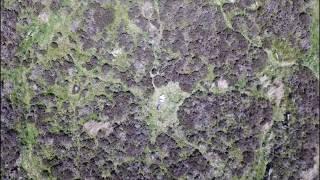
[(162, 108)]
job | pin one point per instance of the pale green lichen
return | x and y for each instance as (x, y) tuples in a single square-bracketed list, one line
[(121, 60)]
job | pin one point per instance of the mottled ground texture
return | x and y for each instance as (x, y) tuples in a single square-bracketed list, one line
[(160, 89)]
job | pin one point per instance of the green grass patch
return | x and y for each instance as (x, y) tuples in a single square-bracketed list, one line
[(39, 32), (21, 94), (312, 58), (29, 134), (30, 162), (283, 52)]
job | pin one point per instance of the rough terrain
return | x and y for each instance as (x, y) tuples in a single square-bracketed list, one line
[(160, 89)]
